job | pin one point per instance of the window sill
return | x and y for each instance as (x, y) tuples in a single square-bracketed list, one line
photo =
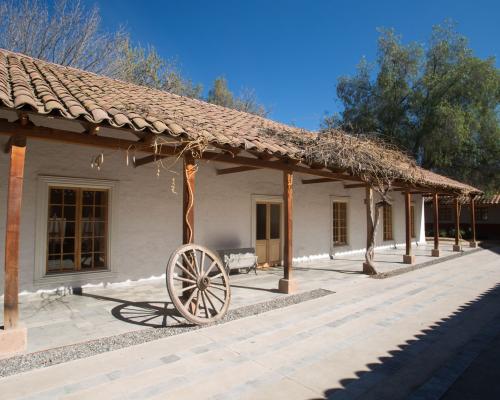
[(75, 278)]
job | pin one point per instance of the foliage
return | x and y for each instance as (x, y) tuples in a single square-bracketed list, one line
[(65, 33), (247, 101), (144, 66), (439, 102)]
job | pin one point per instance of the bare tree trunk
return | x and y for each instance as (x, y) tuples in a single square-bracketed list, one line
[(369, 265)]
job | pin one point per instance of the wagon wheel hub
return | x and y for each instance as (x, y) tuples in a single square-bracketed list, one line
[(203, 282)]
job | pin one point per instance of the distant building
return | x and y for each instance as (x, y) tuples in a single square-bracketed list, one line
[(487, 217)]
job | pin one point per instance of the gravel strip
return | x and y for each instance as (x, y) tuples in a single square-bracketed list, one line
[(58, 355), (410, 268)]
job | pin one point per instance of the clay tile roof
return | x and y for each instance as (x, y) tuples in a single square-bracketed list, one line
[(48, 88), (488, 199), (51, 89)]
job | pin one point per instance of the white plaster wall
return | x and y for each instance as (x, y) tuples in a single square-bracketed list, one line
[(147, 219)]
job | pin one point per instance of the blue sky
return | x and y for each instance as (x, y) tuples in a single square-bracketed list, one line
[(290, 52)]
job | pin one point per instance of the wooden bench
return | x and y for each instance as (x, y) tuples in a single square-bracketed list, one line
[(244, 258)]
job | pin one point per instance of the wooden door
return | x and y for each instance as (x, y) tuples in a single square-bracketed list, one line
[(268, 233)]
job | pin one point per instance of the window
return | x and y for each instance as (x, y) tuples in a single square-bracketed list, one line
[(77, 229), (412, 221), (444, 213), (339, 223), (388, 222), (482, 213), (275, 221)]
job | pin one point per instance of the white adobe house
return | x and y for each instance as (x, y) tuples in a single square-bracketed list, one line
[(143, 223), (68, 224)]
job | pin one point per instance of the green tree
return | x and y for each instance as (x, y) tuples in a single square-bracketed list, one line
[(220, 94), (247, 100), (144, 66), (439, 102)]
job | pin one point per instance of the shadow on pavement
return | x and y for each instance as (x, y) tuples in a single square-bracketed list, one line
[(151, 314), (416, 363)]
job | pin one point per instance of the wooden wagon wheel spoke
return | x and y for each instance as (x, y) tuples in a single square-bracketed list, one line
[(190, 285), (185, 270), (218, 286), (197, 303), (217, 297), (202, 262), (196, 265), (211, 267), (177, 278), (205, 304), (188, 262), (210, 301), (190, 299), (187, 288), (216, 276)]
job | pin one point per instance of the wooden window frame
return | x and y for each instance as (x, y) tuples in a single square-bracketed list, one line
[(78, 235), (43, 279), (388, 223), (345, 237)]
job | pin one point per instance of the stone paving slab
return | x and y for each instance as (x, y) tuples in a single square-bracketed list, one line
[(44, 358), (60, 319), (372, 339)]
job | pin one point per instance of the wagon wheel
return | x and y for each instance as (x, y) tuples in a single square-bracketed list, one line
[(198, 284)]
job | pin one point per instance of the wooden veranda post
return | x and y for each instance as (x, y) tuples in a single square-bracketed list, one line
[(408, 258), (189, 173), (14, 197), (473, 242), (456, 206), (188, 186), (13, 336), (288, 284), (435, 209)]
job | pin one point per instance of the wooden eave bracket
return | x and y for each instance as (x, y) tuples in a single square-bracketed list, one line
[(15, 140), (92, 129)]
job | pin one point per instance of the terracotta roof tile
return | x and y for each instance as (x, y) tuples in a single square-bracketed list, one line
[(488, 199), (48, 88)]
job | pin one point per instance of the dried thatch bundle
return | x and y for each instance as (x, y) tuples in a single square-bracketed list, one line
[(369, 157)]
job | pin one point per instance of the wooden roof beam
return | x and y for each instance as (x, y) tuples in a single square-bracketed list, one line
[(44, 133), (318, 180), (355, 185), (234, 170), (39, 132)]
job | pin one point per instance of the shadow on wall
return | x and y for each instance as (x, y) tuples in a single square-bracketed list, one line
[(391, 378)]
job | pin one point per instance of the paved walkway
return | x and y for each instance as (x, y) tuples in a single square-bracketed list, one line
[(410, 335), (58, 319)]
